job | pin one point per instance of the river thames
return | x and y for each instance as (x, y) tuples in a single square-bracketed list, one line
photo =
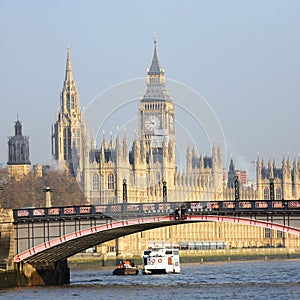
[(231, 280)]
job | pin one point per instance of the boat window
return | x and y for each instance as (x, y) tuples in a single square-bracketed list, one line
[(147, 252), (176, 252), (169, 252)]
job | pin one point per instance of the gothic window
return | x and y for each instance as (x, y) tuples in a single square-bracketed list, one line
[(268, 233), (68, 101), (279, 234), (266, 194), (14, 155), (158, 177), (18, 152), (110, 181), (77, 141), (278, 194), (23, 152), (95, 182), (72, 102)]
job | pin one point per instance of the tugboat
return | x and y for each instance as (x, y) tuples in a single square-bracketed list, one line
[(126, 267), (161, 261)]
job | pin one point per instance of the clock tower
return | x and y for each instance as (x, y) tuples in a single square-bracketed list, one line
[(156, 111)]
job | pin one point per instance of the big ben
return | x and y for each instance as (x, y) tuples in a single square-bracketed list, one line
[(156, 111)]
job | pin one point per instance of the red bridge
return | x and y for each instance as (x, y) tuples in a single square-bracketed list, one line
[(48, 236)]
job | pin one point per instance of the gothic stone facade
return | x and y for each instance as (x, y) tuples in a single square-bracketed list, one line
[(150, 161), (146, 164)]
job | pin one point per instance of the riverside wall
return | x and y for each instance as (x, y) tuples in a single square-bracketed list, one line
[(92, 260)]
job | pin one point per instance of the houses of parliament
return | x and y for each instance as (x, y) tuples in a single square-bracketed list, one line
[(149, 164)]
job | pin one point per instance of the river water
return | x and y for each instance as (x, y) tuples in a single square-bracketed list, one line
[(231, 280)]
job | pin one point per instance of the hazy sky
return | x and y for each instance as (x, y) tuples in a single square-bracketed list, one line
[(243, 57)]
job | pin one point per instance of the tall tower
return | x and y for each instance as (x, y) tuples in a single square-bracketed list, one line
[(67, 131), (231, 175), (156, 112), (156, 115), (18, 153)]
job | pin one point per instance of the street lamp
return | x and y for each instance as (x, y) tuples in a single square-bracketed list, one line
[(47, 190), (236, 188), (272, 194), (165, 199), (124, 191)]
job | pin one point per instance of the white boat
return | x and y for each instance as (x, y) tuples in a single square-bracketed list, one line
[(161, 261)]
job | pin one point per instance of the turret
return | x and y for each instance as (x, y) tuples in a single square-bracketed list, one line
[(270, 169), (136, 152), (94, 143), (189, 160), (259, 178), (171, 152), (214, 156), (103, 148), (143, 151), (231, 175), (125, 148), (201, 163), (220, 159), (119, 150), (286, 178), (296, 180)]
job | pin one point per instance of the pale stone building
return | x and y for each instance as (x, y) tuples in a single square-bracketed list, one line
[(286, 179), (145, 165), (150, 162)]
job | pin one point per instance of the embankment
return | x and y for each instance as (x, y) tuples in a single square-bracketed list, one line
[(92, 260)]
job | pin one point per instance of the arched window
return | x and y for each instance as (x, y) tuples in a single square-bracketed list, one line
[(278, 194), (266, 194), (158, 178), (95, 183), (111, 181), (23, 152)]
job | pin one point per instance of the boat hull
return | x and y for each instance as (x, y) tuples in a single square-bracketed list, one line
[(157, 271), (126, 271)]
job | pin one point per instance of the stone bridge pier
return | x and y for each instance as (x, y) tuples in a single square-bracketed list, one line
[(25, 273), (33, 274), (7, 245)]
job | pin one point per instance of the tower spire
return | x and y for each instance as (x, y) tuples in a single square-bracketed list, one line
[(156, 83), (69, 74), (155, 67), (70, 96)]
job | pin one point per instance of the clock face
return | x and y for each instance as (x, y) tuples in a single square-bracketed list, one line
[(152, 122)]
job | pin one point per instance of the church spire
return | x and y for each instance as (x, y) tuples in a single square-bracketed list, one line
[(70, 96), (69, 74)]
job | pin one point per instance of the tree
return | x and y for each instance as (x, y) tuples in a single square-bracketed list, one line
[(28, 191)]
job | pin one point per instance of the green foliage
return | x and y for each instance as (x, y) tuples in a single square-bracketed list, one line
[(28, 192)]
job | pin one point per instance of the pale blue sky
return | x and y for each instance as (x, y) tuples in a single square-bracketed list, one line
[(242, 56)]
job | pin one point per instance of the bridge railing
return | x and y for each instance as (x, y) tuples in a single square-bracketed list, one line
[(125, 210)]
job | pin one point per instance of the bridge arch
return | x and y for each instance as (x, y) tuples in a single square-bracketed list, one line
[(65, 246)]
